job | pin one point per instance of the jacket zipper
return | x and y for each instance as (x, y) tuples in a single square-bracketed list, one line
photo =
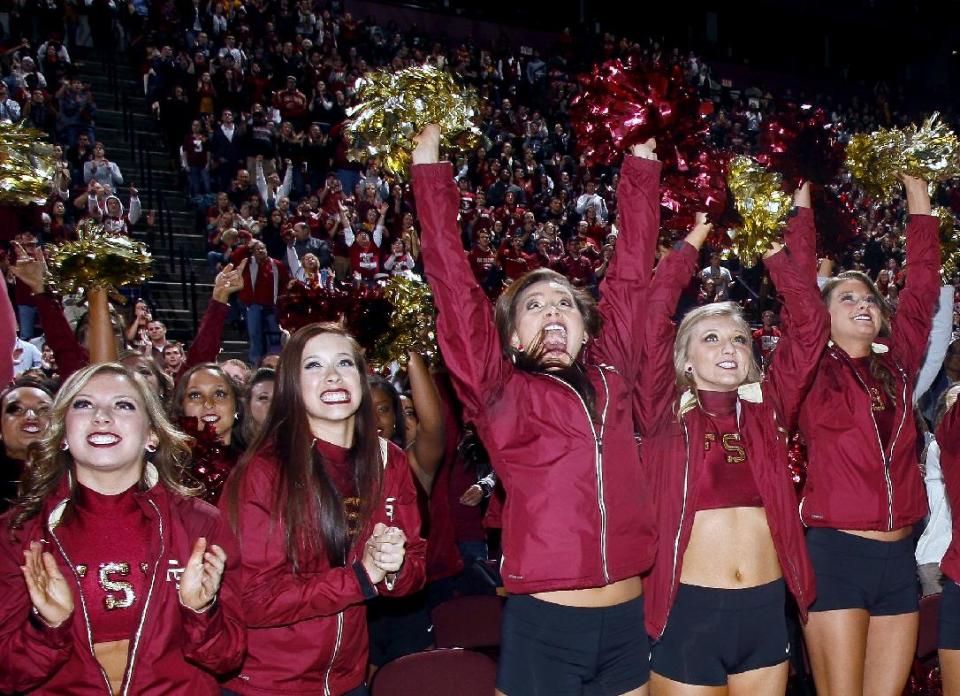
[(683, 512), (598, 460), (333, 658), (883, 453), (893, 445), (146, 605), (86, 617)]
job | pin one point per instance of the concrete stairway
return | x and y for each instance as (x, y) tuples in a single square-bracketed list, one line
[(182, 281)]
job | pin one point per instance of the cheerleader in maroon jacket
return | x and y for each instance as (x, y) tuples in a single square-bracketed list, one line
[(327, 517), (113, 577), (864, 490), (948, 441), (549, 393), (730, 543)]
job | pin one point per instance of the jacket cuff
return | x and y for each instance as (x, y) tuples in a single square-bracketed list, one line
[(366, 587), (58, 637)]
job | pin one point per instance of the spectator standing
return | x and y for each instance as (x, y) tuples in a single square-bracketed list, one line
[(263, 281)]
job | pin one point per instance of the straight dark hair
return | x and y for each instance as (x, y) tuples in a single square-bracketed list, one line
[(307, 502)]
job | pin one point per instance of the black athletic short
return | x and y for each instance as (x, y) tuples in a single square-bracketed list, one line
[(949, 623), (857, 573), (712, 633), (549, 649)]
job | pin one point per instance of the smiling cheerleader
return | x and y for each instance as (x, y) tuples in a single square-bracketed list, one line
[(730, 543), (864, 490), (115, 579), (326, 513)]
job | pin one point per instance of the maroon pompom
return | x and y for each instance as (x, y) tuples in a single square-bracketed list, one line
[(801, 143), (362, 309), (837, 226), (622, 104), (211, 460)]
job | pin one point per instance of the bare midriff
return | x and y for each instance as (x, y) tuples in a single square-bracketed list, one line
[(730, 548)]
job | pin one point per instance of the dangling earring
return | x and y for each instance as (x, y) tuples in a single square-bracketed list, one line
[(151, 448), (519, 347), (64, 446)]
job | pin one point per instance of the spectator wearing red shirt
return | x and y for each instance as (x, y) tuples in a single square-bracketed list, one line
[(364, 248), (765, 338), (510, 213), (484, 264), (195, 159), (577, 267), (263, 280), (291, 102), (514, 261)]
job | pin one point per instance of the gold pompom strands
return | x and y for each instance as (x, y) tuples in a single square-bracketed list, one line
[(876, 160), (761, 203), (949, 243), (27, 165), (98, 260), (412, 323), (394, 106)]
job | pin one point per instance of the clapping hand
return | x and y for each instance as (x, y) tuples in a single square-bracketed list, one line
[(201, 578), (48, 589)]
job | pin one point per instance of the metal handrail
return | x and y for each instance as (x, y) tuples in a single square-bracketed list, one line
[(193, 299), (183, 277)]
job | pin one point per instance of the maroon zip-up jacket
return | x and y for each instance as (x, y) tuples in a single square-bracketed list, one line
[(307, 632), (671, 446), (173, 651), (948, 438), (854, 481), (576, 514)]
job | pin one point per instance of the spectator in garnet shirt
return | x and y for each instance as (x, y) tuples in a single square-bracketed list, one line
[(766, 337), (195, 159), (292, 103), (514, 261), (577, 267), (483, 261), (364, 248)]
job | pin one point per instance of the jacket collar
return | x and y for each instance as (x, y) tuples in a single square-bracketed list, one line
[(749, 391), (878, 348), (64, 493)]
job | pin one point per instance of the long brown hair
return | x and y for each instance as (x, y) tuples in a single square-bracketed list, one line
[(878, 370), (47, 464), (307, 502)]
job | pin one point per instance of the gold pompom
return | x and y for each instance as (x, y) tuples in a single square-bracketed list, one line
[(872, 161), (949, 243), (98, 260), (394, 106), (876, 160), (761, 203), (413, 323), (27, 165)]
